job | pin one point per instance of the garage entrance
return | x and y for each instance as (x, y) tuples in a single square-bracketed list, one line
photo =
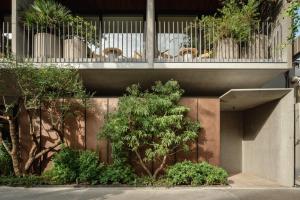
[(257, 134)]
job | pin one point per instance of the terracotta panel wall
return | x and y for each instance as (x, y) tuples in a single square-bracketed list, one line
[(95, 117), (81, 131), (209, 140)]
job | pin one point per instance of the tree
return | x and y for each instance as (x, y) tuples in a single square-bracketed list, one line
[(48, 86), (151, 125)]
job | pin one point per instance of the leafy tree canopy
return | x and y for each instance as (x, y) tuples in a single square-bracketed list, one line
[(150, 124)]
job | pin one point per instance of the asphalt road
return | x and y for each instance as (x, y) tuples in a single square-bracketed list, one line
[(99, 193)]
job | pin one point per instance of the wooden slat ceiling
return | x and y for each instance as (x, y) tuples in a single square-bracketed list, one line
[(5, 7), (139, 6)]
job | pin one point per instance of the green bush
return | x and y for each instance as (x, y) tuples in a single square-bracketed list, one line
[(24, 181), (188, 173), (89, 167), (66, 166), (74, 166), (6, 167), (117, 173)]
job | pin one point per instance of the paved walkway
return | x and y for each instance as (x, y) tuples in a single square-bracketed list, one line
[(180, 193)]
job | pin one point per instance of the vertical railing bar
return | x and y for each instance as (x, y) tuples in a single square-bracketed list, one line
[(140, 52), (113, 40), (269, 42), (159, 40), (169, 41), (63, 37), (86, 43), (173, 39), (79, 42), (2, 31), (122, 35), (131, 40), (135, 39), (59, 42), (39, 45), (127, 41), (118, 30), (28, 40), (55, 37), (100, 41), (165, 35), (104, 34)]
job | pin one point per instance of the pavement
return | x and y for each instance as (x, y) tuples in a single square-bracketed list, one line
[(177, 193)]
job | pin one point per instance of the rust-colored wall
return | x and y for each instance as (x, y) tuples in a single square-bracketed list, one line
[(81, 132)]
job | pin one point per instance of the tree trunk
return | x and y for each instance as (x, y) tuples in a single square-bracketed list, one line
[(15, 147), (141, 162), (160, 167)]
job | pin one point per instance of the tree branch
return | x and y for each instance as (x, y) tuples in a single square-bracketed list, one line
[(160, 167), (40, 154), (141, 162)]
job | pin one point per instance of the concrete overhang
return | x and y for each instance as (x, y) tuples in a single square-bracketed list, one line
[(195, 82), (244, 99), (197, 79)]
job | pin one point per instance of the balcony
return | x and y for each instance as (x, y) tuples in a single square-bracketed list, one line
[(196, 42), (117, 41), (109, 41)]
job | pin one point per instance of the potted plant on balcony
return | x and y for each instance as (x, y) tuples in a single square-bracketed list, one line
[(229, 28), (77, 42), (44, 17)]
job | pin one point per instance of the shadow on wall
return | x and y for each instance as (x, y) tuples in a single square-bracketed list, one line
[(255, 119)]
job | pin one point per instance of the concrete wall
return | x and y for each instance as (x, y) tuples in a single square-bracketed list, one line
[(268, 142), (231, 141), (297, 143)]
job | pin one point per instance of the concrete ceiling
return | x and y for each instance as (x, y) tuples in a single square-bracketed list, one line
[(196, 82), (139, 6), (244, 99)]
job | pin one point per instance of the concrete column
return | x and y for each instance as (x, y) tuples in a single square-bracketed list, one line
[(150, 47), (18, 7), (297, 143)]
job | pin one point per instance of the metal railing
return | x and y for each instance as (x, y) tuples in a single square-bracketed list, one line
[(104, 41), (186, 41), (5, 40)]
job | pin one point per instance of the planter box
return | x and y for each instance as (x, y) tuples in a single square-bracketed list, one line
[(256, 48), (46, 45), (227, 49), (75, 48)]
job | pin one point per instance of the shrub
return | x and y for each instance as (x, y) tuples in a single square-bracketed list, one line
[(188, 173), (117, 173), (74, 166), (6, 168), (66, 166), (89, 167)]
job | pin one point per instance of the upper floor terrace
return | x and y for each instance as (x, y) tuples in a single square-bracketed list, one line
[(136, 36), (143, 32)]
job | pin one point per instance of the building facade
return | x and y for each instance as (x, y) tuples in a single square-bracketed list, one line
[(242, 89)]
